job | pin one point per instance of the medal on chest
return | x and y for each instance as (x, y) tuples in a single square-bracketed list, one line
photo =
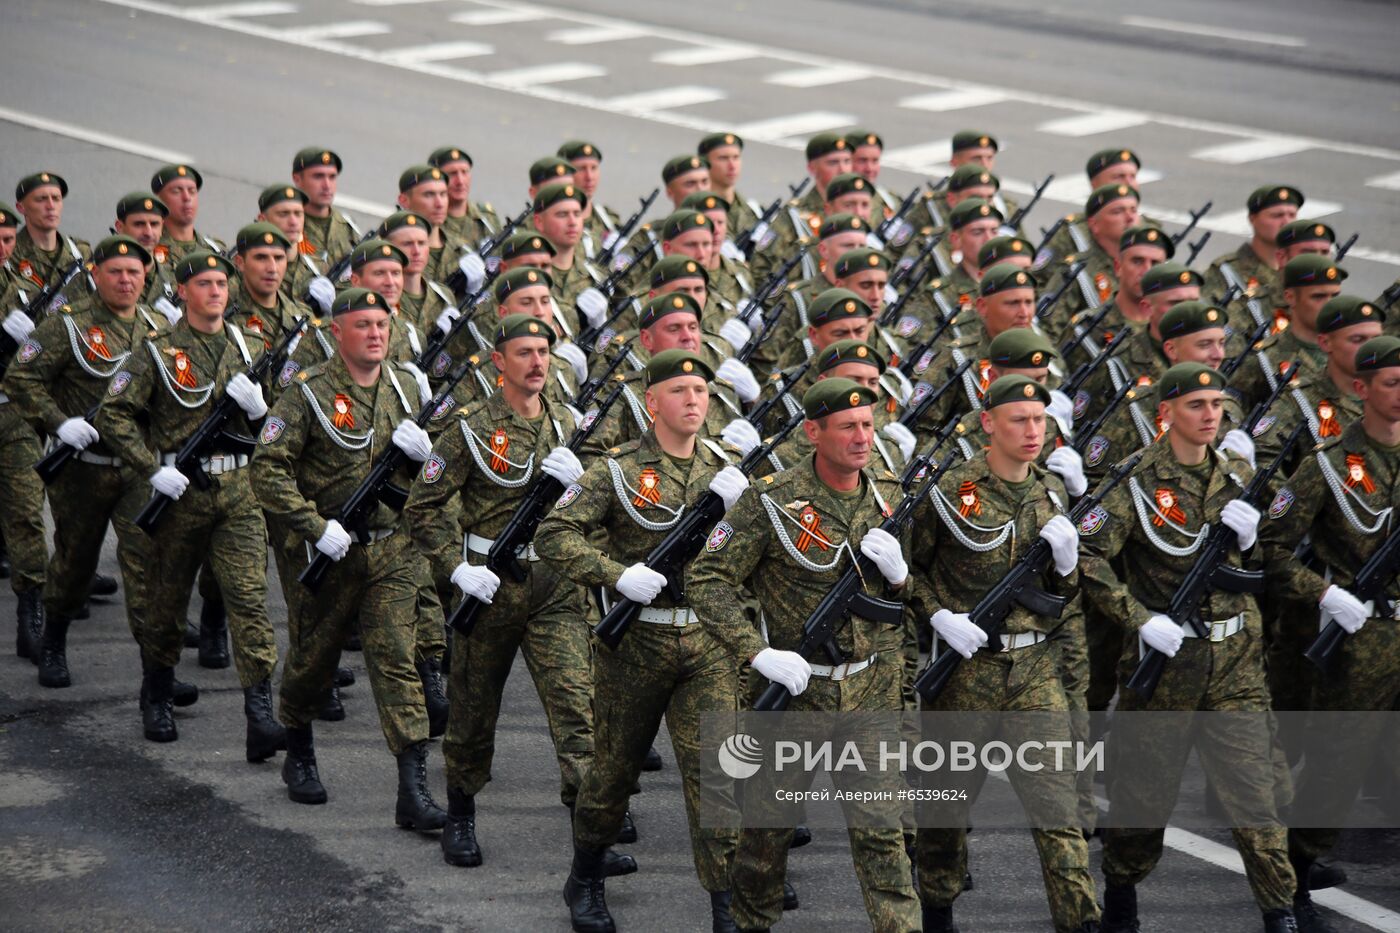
[(500, 443), (1327, 423), (1356, 474), (1168, 508), (184, 370), (648, 489), (344, 416), (1251, 287), (1102, 284), (969, 503), (97, 345), (811, 530), (1280, 321), (26, 269), (984, 375)]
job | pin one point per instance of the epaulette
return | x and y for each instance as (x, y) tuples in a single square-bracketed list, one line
[(935, 284), (67, 309), (1069, 259), (626, 447), (614, 451), (487, 205), (774, 480), (152, 333), (961, 428), (315, 322)]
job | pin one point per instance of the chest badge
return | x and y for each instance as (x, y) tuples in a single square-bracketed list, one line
[(1168, 508), (969, 503), (500, 443), (344, 417), (648, 489), (97, 345), (1357, 476), (811, 530), (184, 370), (1327, 422)]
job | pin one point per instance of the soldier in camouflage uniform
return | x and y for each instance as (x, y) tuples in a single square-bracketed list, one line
[(836, 314), (262, 257), (599, 223), (828, 155), (178, 186), (1152, 525), (1254, 267), (284, 206), (423, 191), (42, 252), (728, 270), (725, 154), (423, 301), (316, 171), (1109, 212), (1113, 166), (467, 221), (141, 216), (559, 219)]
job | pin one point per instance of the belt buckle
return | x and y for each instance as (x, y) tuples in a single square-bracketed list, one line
[(1219, 629)]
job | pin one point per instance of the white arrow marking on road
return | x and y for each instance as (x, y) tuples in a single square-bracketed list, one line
[(666, 98), (437, 52), (362, 206), (547, 74), (1252, 150), (794, 124), (1075, 189), (352, 29), (922, 158), (1389, 182), (1091, 124), (818, 77), (958, 99)]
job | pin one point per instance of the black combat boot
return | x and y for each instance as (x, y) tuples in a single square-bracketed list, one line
[(434, 695), (299, 770), (415, 808), (617, 864), (1307, 917), (652, 762), (266, 737), (1322, 875), (102, 585), (332, 710), (790, 901), (1120, 913), (939, 919), (191, 634), (583, 892), (53, 653), (628, 833), (1280, 920), (186, 694), (459, 832), (344, 677), (801, 836), (721, 920), (158, 704), (29, 620), (213, 635)]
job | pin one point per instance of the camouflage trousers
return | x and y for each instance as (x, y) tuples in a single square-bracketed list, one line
[(376, 585), (22, 492), (877, 846), (657, 670), (1237, 754), (1076, 675), (1104, 641), (225, 526), (1026, 680), (544, 619)]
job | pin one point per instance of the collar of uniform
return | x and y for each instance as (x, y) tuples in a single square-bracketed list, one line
[(649, 451), (808, 483), (1163, 464), (1353, 439), (979, 470)]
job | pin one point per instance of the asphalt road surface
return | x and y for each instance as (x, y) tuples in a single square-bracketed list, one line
[(101, 829)]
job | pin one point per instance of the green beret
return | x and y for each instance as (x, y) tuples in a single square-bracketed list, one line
[(279, 193), (828, 396), (313, 156), (684, 221), (446, 155), (1107, 158), (973, 139), (715, 140), (668, 364), (658, 306), (550, 168), (1000, 247), (199, 262), (521, 325), (579, 149), (1345, 311), (841, 223), (1271, 195), (705, 201), (552, 194), (9, 218), (857, 138), (1014, 388), (1020, 348), (1189, 317), (1304, 231), (358, 299), (825, 144), (1378, 353), (679, 165), (415, 175), (374, 250), (260, 234), (1185, 378), (835, 304), (120, 245), (1005, 278), (860, 259), (524, 242), (1144, 235), (141, 202), (398, 220), (971, 210), (1168, 275), (38, 180), (849, 351), (518, 278), (971, 175), (1107, 194), (847, 183), (1312, 269), (675, 267), (170, 173)]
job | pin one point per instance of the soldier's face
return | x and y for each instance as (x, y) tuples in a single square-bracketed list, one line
[(1268, 222), (844, 328), (535, 260), (680, 403), (1132, 264), (145, 228), (181, 196), (860, 373), (856, 202), (1195, 418), (262, 269), (533, 301), (694, 287), (827, 167), (1341, 345), (698, 243), (843, 439), (384, 276), (363, 336), (587, 174), (869, 284), (1204, 346), (459, 182), (289, 217), (523, 363), (865, 161), (1113, 219), (414, 243), (429, 199), (970, 237), (1016, 430), (319, 183), (686, 184), (206, 293), (561, 223), (1014, 307), (1161, 302), (1381, 393), (719, 227), (672, 332), (119, 281), (7, 241), (834, 247), (726, 163), (42, 208), (984, 156), (1306, 301), (1124, 173)]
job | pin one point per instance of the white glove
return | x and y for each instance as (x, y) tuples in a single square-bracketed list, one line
[(445, 319), (1162, 634), (170, 482), (883, 548), (334, 541), (741, 435), (1070, 466), (760, 231), (576, 359), (1243, 519), (479, 582), (735, 332), (474, 268), (958, 631), (609, 239), (248, 396), (563, 465), (891, 295), (729, 483), (1064, 543), (412, 440), (1350, 612), (322, 291), (873, 241), (728, 250), (784, 667), (1239, 442), (425, 391), (903, 437), (742, 378), (593, 304), (640, 584), (18, 325), (77, 433), (172, 313), (1060, 408), (903, 389)]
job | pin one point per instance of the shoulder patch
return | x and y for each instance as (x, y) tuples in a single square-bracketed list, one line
[(1264, 424), (907, 325), (1081, 403), (446, 405), (31, 349), (119, 383), (1282, 503), (569, 496), (1093, 521), (272, 430), (289, 370), (432, 468), (719, 537), (440, 364), (1098, 446)]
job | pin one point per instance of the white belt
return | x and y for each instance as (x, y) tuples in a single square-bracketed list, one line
[(3, 398), (375, 534), (215, 465), (680, 617), (842, 671), (1021, 640), (1219, 631), (97, 459), (479, 545)]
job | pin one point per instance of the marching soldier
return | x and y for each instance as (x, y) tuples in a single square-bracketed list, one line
[(725, 153), (1113, 166), (423, 301), (599, 223), (1109, 213), (1254, 266), (142, 217), (284, 206), (559, 219), (467, 220), (423, 191), (316, 173), (42, 252), (262, 255), (178, 186)]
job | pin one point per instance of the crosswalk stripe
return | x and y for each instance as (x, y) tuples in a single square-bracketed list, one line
[(666, 98), (704, 55), (1075, 189), (956, 99), (225, 10), (497, 17), (1390, 182), (794, 124), (1091, 124), (818, 77), (593, 35), (1252, 150), (350, 29), (437, 52), (547, 74)]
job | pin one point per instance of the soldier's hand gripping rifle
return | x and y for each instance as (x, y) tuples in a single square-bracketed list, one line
[(457, 281), (1368, 585), (747, 241)]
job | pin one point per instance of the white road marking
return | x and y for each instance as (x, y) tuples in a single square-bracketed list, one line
[(957, 99), (350, 29), (1215, 32), (547, 74), (794, 124), (1252, 150), (132, 146), (1091, 124), (1074, 189), (594, 35), (225, 10), (1389, 182), (437, 51), (704, 55), (819, 76), (374, 209), (392, 2), (497, 17), (666, 98)]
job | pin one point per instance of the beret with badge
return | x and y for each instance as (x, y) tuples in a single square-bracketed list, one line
[(1106, 159), (836, 304), (119, 245), (659, 306), (1347, 311), (1144, 235), (714, 141), (525, 242), (971, 211), (841, 223), (829, 396), (277, 194), (1005, 278), (446, 155), (400, 220), (1191, 317), (669, 364), (1272, 196), (1304, 231), (1378, 353), (168, 173), (1105, 195), (514, 326), (1312, 269), (313, 156), (847, 183), (579, 149), (258, 234), (30, 183), (973, 139), (416, 175), (860, 259), (675, 267), (358, 299), (1001, 247), (676, 166), (1020, 348), (684, 221), (552, 194), (1014, 388), (826, 143), (849, 351), (971, 175), (375, 250), (1168, 275), (516, 279), (1185, 378), (140, 202), (705, 201), (199, 262)]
